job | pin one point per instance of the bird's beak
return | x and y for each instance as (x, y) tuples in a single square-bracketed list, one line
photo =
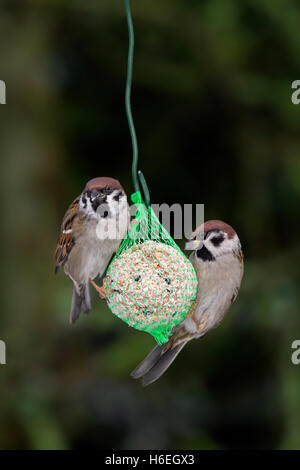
[(193, 245)]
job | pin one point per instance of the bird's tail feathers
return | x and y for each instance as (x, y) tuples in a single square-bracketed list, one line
[(86, 300), (156, 363), (80, 302), (148, 362)]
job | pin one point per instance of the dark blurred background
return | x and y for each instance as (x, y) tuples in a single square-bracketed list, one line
[(215, 122)]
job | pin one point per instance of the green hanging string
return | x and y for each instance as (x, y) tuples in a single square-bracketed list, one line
[(151, 285), (136, 176)]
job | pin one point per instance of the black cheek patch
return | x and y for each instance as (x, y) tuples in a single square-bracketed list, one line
[(205, 254), (117, 196), (216, 241)]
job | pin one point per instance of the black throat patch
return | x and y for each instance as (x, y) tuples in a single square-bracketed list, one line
[(205, 254)]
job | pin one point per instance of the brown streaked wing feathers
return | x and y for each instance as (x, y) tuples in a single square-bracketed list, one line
[(66, 241), (181, 335)]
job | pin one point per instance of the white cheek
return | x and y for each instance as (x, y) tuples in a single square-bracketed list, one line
[(227, 246), (87, 208), (117, 207), (115, 226)]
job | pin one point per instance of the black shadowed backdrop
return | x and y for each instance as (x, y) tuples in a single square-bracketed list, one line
[(216, 125)]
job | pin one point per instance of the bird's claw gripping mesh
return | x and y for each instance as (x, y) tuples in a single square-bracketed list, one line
[(150, 283)]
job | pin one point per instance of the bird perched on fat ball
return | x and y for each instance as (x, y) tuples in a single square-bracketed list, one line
[(91, 232), (218, 260)]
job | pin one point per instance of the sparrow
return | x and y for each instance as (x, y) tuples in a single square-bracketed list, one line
[(218, 261), (91, 232)]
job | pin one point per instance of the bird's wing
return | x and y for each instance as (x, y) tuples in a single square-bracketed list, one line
[(239, 255), (66, 239)]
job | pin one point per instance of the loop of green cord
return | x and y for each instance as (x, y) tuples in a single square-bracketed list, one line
[(135, 175)]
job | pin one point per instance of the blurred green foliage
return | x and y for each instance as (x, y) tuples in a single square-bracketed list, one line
[(215, 122)]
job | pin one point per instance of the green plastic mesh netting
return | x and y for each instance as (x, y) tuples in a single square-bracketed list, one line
[(150, 284)]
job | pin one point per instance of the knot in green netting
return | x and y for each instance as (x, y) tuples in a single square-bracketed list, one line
[(150, 283)]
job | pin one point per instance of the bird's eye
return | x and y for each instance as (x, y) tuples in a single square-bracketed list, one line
[(216, 241)]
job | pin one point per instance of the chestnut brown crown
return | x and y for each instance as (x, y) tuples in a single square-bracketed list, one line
[(215, 225), (101, 183)]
